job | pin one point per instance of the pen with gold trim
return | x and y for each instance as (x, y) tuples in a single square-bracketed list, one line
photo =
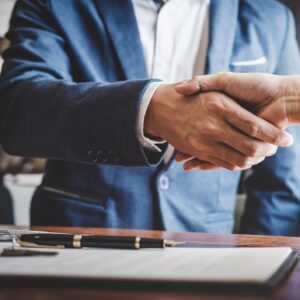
[(94, 241)]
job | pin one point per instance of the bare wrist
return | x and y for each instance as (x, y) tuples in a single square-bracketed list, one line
[(150, 124), (290, 86)]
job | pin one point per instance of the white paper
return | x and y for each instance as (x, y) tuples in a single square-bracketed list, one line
[(237, 265)]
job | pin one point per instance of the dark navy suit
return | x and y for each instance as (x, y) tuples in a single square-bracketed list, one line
[(70, 90)]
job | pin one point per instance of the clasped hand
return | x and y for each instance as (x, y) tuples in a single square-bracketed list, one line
[(210, 129)]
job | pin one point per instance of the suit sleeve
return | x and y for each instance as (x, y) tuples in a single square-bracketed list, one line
[(273, 188), (44, 113)]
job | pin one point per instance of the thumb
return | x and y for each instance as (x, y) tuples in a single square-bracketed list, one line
[(188, 88), (203, 83)]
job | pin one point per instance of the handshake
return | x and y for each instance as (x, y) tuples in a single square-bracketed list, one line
[(226, 120)]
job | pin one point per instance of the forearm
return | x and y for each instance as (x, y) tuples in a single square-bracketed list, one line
[(69, 121)]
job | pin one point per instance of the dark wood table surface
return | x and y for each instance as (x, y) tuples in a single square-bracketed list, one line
[(289, 289)]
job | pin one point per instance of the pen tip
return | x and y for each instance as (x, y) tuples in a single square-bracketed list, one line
[(169, 243)]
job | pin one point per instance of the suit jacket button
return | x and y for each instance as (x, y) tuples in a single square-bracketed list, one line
[(113, 156), (102, 157), (92, 156), (164, 182)]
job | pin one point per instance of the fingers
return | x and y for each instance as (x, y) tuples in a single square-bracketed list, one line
[(219, 137), (191, 163), (241, 87), (236, 159), (196, 164), (256, 127), (182, 157), (215, 163), (221, 154), (209, 160), (246, 145), (221, 133)]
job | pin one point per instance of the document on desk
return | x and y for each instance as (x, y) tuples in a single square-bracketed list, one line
[(246, 266)]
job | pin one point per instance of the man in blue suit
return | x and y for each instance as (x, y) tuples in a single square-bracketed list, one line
[(75, 89)]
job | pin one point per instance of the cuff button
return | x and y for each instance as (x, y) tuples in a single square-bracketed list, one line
[(102, 157), (92, 156)]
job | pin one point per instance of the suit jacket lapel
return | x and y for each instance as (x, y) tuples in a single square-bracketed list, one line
[(122, 26), (223, 22)]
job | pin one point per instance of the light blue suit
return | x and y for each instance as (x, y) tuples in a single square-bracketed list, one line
[(70, 90)]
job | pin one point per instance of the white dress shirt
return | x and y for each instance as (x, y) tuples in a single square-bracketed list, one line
[(174, 41)]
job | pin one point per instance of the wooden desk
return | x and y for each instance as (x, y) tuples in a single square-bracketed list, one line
[(290, 289)]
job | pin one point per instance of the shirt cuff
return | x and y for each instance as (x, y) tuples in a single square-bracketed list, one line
[(146, 142)]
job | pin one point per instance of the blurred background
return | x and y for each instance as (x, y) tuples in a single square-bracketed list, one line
[(19, 176)]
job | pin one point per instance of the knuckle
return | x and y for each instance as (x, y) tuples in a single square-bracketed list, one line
[(244, 162), (232, 163), (231, 167), (258, 149), (208, 126), (276, 139), (252, 150), (252, 128), (235, 168), (196, 145), (215, 103)]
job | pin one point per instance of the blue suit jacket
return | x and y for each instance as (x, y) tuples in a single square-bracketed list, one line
[(70, 90)]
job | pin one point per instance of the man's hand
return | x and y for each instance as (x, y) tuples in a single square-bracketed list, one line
[(273, 98), (212, 127)]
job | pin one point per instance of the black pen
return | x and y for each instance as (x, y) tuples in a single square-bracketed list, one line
[(94, 241)]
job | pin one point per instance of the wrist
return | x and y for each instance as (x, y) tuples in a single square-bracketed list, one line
[(291, 95), (294, 103), (151, 118)]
